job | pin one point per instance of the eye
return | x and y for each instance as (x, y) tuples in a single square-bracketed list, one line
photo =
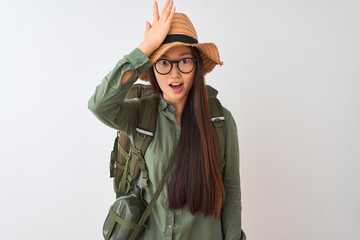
[(163, 62), (185, 61)]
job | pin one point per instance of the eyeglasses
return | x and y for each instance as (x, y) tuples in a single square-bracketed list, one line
[(185, 65)]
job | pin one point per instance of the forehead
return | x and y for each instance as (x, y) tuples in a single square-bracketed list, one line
[(176, 52)]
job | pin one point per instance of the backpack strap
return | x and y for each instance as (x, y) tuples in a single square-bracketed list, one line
[(121, 156), (113, 157), (145, 130), (162, 182), (123, 187), (119, 161), (218, 120)]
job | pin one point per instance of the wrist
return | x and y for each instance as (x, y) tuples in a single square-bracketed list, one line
[(147, 48)]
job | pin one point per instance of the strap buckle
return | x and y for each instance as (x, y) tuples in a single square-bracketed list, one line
[(136, 151), (217, 121)]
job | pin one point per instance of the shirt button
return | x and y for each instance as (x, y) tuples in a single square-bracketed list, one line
[(170, 226)]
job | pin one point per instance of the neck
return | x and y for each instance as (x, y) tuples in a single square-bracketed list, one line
[(178, 111), (179, 106)]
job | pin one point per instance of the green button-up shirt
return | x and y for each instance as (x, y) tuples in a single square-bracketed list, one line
[(108, 104)]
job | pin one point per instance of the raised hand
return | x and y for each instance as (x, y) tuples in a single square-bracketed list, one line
[(156, 32)]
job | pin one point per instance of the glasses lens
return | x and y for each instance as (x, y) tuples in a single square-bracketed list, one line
[(186, 65), (163, 66)]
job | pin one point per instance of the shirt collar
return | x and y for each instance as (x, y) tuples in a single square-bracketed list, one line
[(163, 104)]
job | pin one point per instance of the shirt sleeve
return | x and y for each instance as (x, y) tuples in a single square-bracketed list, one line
[(231, 211), (108, 104)]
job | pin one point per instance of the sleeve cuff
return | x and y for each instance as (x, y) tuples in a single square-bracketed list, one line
[(137, 58)]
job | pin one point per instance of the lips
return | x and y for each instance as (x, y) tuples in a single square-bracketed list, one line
[(176, 86)]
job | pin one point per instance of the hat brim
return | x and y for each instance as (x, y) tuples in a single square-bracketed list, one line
[(208, 52)]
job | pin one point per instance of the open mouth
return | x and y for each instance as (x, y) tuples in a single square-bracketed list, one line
[(176, 86)]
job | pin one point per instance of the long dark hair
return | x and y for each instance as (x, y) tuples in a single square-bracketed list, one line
[(196, 180)]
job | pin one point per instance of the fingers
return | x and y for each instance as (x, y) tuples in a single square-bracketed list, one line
[(171, 16), (156, 32), (166, 11), (164, 8), (148, 26), (155, 11)]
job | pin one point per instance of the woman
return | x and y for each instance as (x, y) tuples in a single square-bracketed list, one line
[(196, 203)]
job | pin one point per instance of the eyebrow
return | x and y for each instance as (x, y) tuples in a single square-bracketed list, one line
[(181, 55)]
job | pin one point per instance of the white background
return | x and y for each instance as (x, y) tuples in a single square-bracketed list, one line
[(290, 77)]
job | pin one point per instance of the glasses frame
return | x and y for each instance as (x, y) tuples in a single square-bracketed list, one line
[(177, 65)]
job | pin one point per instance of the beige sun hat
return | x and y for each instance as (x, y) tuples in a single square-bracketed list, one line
[(183, 33)]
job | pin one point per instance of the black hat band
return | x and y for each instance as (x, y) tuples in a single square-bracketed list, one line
[(179, 38)]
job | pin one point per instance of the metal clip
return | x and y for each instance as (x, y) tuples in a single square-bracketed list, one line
[(144, 182)]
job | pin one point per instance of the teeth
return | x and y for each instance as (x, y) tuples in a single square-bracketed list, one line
[(175, 84)]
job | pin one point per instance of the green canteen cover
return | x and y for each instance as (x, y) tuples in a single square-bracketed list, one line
[(123, 217)]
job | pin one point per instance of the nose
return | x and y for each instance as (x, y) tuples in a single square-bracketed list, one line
[(175, 72)]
